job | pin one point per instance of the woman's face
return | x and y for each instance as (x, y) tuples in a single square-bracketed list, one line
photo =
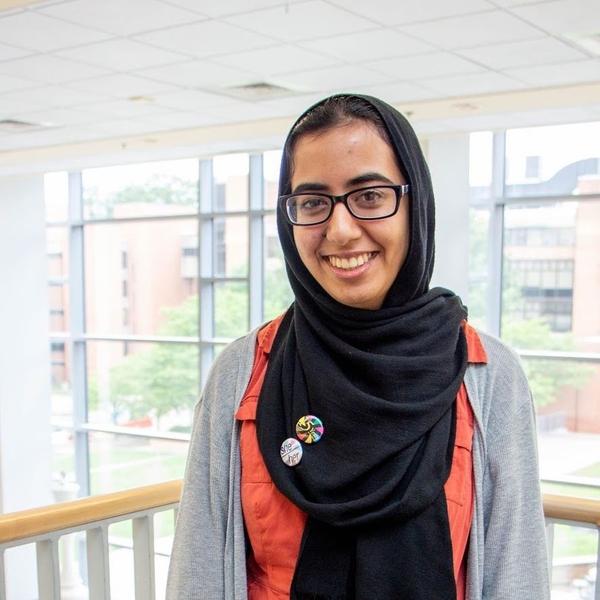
[(336, 161)]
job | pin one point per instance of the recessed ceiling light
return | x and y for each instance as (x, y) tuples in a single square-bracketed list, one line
[(141, 99), (589, 42), (257, 91), (16, 126), (465, 106)]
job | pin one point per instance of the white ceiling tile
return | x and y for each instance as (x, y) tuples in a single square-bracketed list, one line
[(201, 74), (11, 84), (122, 18), (398, 92), (122, 55), (517, 54), (109, 129), (206, 39), (302, 21), (368, 45), (563, 16), (393, 12), (227, 7), (473, 30), (330, 79), (435, 64), (50, 69), (566, 73), (121, 85), (479, 83), (277, 59), (509, 3), (178, 120), (10, 52), (192, 100), (43, 33), (57, 117), (46, 97), (124, 109)]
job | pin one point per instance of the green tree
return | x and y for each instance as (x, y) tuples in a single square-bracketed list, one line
[(160, 189)]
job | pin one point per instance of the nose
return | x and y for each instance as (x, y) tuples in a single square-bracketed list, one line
[(342, 227)]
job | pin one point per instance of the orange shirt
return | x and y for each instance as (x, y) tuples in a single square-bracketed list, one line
[(275, 525)]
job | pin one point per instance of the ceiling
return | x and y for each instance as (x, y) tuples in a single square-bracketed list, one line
[(79, 71)]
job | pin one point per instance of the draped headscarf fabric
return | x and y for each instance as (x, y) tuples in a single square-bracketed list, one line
[(384, 383)]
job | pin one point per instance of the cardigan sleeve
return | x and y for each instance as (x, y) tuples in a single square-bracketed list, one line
[(515, 563), (201, 565)]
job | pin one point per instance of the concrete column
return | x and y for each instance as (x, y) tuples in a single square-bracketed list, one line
[(448, 158), (25, 434)]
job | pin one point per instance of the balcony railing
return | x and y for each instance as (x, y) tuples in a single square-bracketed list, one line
[(46, 526)]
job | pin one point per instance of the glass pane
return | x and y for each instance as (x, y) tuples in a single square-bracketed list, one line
[(230, 251), (550, 282), (271, 163), (57, 251), (574, 562), (230, 173), (480, 164), (277, 292), (141, 277), (478, 266), (60, 369), (567, 399), (142, 385), (553, 160), (231, 309), (63, 458), (141, 190), (56, 196), (119, 462)]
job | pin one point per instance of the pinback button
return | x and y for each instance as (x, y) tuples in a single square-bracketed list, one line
[(309, 429), (291, 452)]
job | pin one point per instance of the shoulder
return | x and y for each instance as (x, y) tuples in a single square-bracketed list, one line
[(499, 387), (230, 372)]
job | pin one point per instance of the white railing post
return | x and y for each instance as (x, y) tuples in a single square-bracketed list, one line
[(143, 557), (48, 569), (2, 577), (597, 582), (97, 563)]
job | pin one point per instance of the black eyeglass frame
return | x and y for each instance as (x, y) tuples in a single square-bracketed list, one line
[(401, 191)]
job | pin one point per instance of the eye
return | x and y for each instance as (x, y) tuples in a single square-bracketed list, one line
[(313, 203), (370, 197)]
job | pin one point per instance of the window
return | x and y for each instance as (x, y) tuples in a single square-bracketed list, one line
[(536, 246)]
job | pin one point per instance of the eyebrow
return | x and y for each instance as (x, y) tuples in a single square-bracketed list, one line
[(371, 176)]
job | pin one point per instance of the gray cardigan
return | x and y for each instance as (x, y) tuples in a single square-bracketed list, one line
[(507, 557)]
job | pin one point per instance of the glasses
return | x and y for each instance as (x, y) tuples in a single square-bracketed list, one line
[(369, 203)]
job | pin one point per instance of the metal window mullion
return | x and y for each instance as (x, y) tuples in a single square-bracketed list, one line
[(256, 243), (77, 329), (495, 235), (205, 268)]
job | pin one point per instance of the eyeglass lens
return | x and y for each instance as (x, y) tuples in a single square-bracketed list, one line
[(370, 203)]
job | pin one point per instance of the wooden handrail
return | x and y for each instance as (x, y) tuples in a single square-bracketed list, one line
[(66, 515), (569, 508)]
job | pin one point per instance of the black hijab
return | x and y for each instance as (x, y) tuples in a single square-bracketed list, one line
[(384, 383)]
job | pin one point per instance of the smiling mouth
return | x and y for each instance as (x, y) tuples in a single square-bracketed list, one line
[(350, 263)]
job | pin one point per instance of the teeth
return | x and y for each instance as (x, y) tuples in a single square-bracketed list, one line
[(350, 263)]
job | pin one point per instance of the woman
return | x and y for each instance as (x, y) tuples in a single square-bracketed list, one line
[(369, 443)]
